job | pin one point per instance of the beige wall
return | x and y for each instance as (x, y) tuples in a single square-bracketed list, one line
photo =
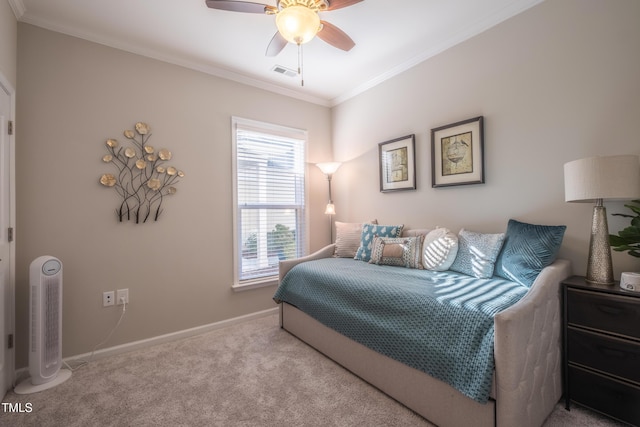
[(8, 42), (556, 83), (73, 95)]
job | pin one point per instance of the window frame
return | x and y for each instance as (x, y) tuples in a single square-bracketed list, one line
[(272, 130)]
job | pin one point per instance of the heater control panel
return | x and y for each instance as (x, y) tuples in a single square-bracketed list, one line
[(51, 267)]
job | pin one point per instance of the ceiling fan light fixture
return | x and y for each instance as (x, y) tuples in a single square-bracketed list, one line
[(298, 24)]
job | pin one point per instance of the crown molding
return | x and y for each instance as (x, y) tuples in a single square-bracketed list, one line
[(176, 60), (18, 8), (481, 26), (499, 16)]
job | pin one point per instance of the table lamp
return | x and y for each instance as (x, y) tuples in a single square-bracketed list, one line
[(593, 180)]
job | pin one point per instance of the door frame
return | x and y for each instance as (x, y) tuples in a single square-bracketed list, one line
[(7, 88)]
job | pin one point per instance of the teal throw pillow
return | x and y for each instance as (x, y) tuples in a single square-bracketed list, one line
[(528, 248), (477, 253), (369, 231)]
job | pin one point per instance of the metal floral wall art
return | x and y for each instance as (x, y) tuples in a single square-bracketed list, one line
[(143, 179)]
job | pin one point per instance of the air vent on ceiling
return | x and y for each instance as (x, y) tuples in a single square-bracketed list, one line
[(284, 71)]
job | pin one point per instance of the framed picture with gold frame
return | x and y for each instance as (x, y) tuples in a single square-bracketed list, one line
[(457, 153), (398, 164)]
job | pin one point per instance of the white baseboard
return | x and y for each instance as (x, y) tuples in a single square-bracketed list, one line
[(136, 345)]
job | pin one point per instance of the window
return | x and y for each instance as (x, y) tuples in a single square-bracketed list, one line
[(269, 200)]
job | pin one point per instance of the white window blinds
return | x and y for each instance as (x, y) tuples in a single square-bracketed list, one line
[(269, 198)]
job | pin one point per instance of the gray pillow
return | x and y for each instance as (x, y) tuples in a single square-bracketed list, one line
[(477, 253)]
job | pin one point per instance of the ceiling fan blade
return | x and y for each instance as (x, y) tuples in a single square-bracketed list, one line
[(276, 44), (239, 6), (338, 4), (335, 36)]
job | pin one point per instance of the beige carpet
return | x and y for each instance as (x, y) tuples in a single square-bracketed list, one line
[(251, 374)]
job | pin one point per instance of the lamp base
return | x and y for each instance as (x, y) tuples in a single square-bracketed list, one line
[(599, 265)]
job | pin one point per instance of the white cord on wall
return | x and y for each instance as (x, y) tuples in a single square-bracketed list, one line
[(103, 342)]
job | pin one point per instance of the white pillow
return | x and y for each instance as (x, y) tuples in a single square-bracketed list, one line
[(348, 238), (439, 249)]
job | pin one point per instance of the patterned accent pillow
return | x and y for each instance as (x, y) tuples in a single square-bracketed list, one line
[(477, 253), (368, 233), (348, 236), (528, 248), (439, 249), (401, 251)]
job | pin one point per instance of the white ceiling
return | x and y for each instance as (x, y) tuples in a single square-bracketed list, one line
[(390, 36)]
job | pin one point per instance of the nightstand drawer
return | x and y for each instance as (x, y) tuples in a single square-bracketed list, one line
[(609, 313), (605, 395), (607, 354)]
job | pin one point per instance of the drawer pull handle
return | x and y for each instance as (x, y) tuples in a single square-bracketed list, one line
[(612, 352), (610, 310)]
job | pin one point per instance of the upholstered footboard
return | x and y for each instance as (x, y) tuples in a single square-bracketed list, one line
[(527, 352), (527, 383)]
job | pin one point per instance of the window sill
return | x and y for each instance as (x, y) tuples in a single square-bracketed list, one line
[(255, 284)]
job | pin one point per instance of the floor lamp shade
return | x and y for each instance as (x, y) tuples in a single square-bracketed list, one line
[(592, 180), (329, 168)]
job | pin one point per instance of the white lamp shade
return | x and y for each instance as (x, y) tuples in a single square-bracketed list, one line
[(330, 209), (329, 168), (298, 24), (593, 178)]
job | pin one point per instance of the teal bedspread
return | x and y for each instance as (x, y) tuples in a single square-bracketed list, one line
[(438, 322)]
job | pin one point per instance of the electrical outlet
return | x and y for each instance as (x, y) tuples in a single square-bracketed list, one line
[(108, 298), (122, 293)]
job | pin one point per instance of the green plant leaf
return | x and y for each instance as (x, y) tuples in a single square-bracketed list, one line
[(631, 234), (628, 239), (615, 240), (635, 253)]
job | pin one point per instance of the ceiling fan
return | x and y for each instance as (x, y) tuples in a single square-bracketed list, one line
[(297, 21)]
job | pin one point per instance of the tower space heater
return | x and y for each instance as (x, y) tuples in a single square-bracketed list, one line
[(45, 341)]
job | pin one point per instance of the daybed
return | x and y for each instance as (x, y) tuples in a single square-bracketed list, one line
[(525, 377)]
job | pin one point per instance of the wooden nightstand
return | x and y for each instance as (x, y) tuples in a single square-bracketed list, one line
[(602, 348)]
